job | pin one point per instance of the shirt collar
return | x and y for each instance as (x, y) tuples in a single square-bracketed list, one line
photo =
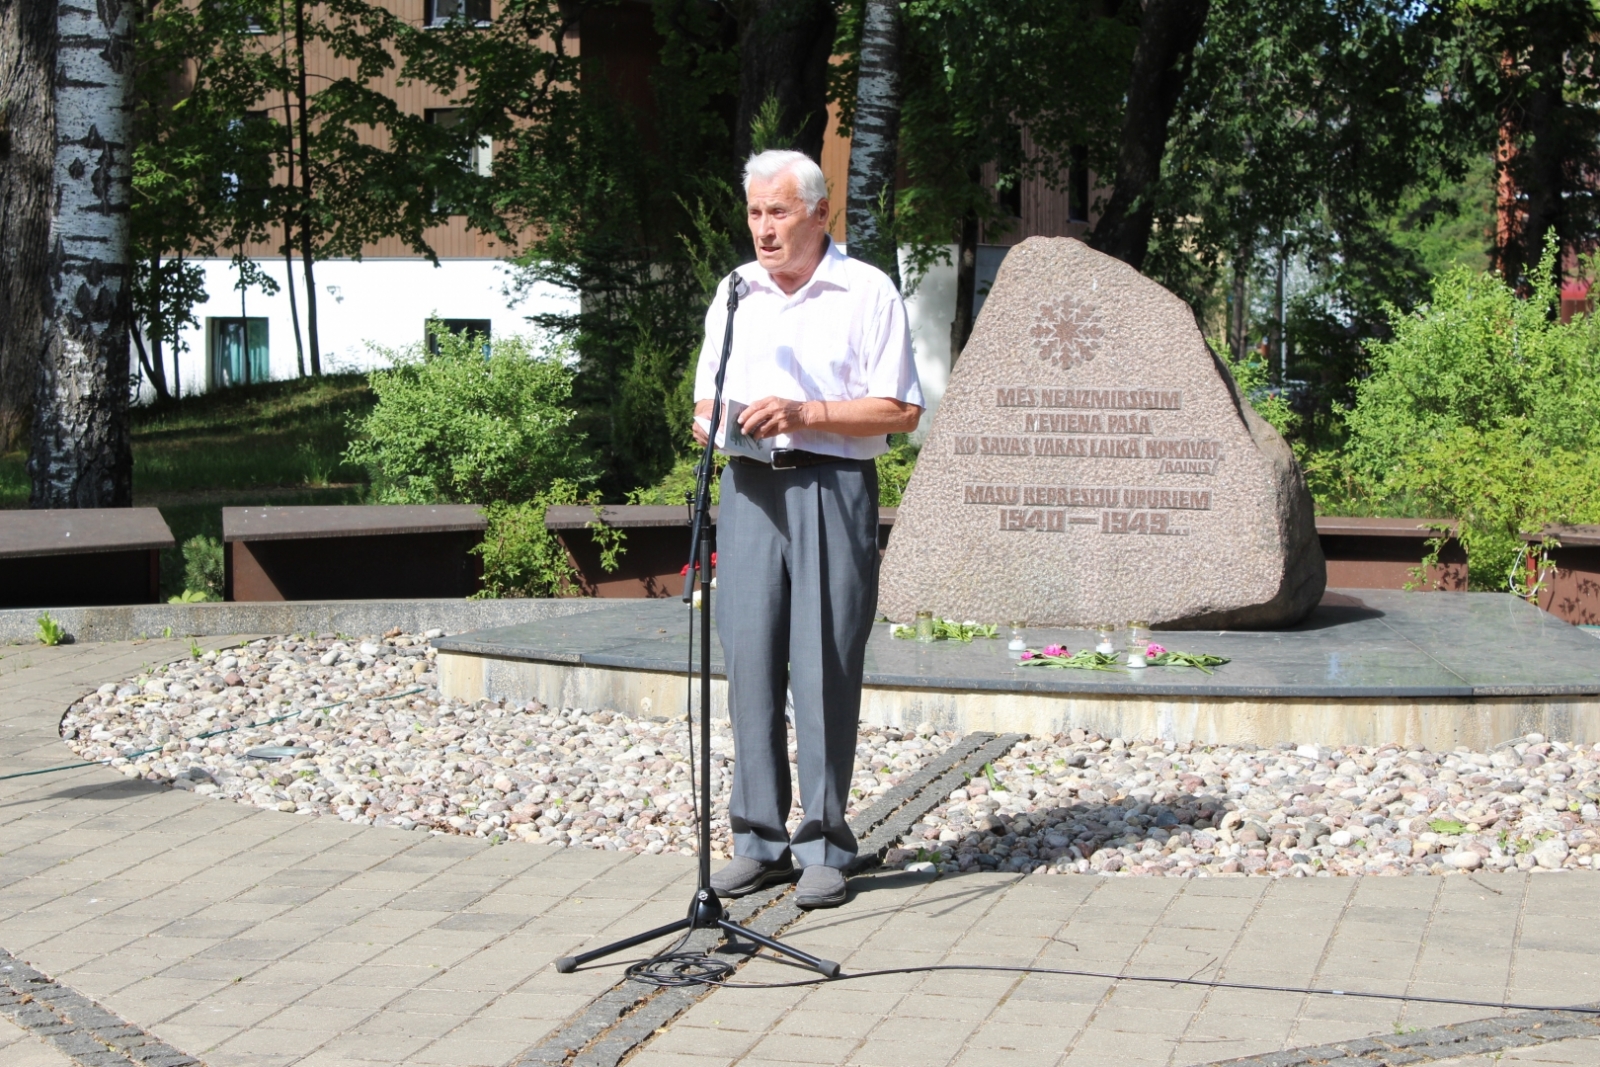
[(830, 271)]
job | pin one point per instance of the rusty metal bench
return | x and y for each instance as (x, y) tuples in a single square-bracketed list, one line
[(1372, 553), (1571, 588), (81, 557), (352, 552), (656, 548)]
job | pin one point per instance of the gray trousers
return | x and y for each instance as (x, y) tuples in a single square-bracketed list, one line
[(797, 584)]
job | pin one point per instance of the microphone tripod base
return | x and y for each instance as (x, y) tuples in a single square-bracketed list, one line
[(705, 913)]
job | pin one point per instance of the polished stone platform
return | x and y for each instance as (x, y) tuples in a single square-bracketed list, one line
[(1436, 669)]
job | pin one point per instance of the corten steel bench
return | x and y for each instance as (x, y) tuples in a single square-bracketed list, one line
[(655, 550), (352, 552), (1371, 553), (1571, 588), (80, 557)]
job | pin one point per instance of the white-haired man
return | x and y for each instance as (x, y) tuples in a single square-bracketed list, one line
[(822, 357)]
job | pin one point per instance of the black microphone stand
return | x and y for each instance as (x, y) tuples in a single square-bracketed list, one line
[(705, 910)]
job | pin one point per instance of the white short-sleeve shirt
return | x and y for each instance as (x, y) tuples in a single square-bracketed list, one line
[(842, 336)]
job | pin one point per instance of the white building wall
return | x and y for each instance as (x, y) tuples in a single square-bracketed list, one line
[(361, 303), (931, 309), (385, 302)]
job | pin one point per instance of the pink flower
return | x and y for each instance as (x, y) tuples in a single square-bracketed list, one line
[(1155, 650), (1027, 655), (1054, 650)]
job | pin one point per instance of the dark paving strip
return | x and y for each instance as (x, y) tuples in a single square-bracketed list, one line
[(1478, 1038), (83, 1030), (625, 1016)]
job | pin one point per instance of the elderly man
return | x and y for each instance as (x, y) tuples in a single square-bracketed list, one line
[(822, 357)]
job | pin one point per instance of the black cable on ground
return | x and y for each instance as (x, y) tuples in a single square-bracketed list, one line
[(683, 976), (203, 736)]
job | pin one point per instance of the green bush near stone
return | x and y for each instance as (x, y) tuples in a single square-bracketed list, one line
[(202, 571), (1482, 407), (456, 426)]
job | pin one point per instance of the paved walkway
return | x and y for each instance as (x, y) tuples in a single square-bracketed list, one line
[(243, 936)]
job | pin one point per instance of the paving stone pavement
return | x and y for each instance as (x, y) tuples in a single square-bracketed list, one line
[(18, 1048), (252, 937)]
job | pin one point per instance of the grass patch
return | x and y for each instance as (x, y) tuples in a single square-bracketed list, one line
[(279, 443), (278, 435)]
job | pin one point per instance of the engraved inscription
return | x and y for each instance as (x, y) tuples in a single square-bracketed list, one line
[(1022, 396), (1037, 519), (1090, 496), (1156, 523), (1093, 447), (1182, 448), (1093, 424), (1003, 446), (1075, 423), (1188, 466), (994, 494)]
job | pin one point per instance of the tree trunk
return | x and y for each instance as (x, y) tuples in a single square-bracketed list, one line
[(307, 244), (288, 234), (1168, 33), (1547, 150), (154, 367), (82, 454), (27, 162), (875, 140), (966, 285), (1238, 316), (784, 46)]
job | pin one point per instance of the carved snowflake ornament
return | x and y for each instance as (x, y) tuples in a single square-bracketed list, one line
[(1067, 332)]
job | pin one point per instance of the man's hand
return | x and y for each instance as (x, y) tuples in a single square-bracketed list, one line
[(772, 415), (702, 410)]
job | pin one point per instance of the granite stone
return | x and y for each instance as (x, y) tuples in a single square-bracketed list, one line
[(1093, 461)]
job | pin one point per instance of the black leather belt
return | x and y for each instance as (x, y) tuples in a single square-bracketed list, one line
[(790, 458)]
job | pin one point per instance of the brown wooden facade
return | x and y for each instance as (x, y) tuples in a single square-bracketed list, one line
[(623, 40)]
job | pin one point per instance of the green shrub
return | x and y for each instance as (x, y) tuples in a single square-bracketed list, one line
[(521, 558), (1483, 407), (459, 427), (50, 632), (678, 483), (894, 470), (202, 571)]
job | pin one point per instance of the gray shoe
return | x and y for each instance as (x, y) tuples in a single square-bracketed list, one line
[(820, 887), (744, 875)]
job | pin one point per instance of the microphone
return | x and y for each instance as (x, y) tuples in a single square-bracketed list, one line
[(737, 289)]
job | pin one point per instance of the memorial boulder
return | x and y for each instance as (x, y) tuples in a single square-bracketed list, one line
[(1092, 461)]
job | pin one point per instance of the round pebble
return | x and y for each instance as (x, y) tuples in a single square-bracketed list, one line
[(1081, 803), (381, 746)]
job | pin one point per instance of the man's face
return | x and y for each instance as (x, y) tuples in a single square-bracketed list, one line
[(788, 239)]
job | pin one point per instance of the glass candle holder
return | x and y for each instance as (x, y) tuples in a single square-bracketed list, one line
[(1138, 634), (1138, 642), (1018, 643), (1105, 637), (924, 626)]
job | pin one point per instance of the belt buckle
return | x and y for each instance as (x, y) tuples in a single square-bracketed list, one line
[(783, 459)]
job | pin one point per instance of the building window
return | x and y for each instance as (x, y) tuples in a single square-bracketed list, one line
[(236, 352), (441, 12), (479, 328), (480, 156)]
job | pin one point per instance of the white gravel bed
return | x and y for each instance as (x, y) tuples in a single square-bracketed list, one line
[(394, 752), (1086, 804)]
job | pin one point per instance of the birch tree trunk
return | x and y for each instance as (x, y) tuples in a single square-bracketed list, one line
[(1168, 33), (27, 160), (82, 455), (875, 140)]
